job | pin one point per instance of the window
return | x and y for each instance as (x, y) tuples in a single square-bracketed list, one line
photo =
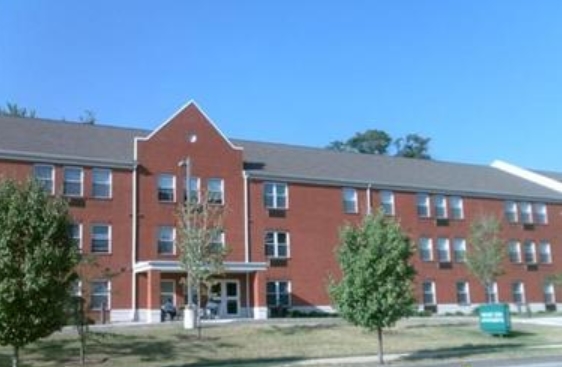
[(349, 200), (215, 191), (277, 244), (459, 250), (518, 292), (75, 232), (526, 212), (492, 293), (463, 294), (72, 184), (514, 251), (549, 294), (539, 213), (275, 195), (101, 183), (76, 288), (457, 207), (166, 240), (99, 298), (423, 205), (529, 252), (166, 187), (510, 211), (278, 293), (387, 202), (101, 238), (217, 240), (167, 291), (426, 249), (545, 255), (45, 175), (443, 250), (429, 293), (194, 193), (440, 206)]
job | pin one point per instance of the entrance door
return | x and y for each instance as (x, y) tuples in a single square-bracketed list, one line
[(228, 294)]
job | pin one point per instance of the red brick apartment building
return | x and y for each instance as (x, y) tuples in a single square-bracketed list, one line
[(285, 207)]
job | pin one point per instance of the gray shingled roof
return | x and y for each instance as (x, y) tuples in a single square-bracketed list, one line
[(59, 141), (286, 161), (56, 140)]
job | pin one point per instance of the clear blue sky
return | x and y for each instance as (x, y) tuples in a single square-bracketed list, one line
[(483, 79)]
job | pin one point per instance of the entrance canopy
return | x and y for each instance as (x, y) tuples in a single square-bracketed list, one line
[(169, 266)]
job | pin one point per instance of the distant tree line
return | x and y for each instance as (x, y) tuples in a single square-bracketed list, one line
[(13, 110), (379, 142)]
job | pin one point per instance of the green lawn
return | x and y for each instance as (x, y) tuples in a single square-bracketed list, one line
[(280, 342)]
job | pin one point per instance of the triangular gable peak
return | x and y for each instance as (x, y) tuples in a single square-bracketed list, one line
[(191, 122)]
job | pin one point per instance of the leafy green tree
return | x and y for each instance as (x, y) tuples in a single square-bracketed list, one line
[(413, 146), (200, 226), (37, 260), (486, 252), (375, 290), (12, 109), (368, 142)]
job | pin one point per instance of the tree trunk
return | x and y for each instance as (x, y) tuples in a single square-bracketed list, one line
[(198, 311), (379, 334), (16, 357)]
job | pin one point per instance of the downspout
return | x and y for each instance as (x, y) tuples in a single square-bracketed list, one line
[(134, 233), (369, 208), (246, 219)]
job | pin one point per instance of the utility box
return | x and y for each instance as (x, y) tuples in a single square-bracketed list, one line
[(495, 319)]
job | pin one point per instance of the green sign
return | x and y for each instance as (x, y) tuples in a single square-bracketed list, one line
[(495, 319)]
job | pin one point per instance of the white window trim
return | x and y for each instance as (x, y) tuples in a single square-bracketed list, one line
[(222, 239), (551, 291), (447, 248), (275, 195), (108, 306), (109, 238), (426, 204), (354, 200), (433, 292), (174, 296), (197, 181), (533, 247), (276, 244), (388, 194), (158, 187), (52, 168), (440, 203), (222, 191), (81, 182), (548, 246), (430, 249), (174, 240), (513, 211), (110, 183), (81, 236), (518, 288), (467, 291), (459, 200), (459, 241), (278, 293), (517, 245)]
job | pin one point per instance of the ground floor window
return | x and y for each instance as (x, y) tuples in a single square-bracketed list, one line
[(100, 295), (429, 293), (463, 296), (278, 293), (549, 295)]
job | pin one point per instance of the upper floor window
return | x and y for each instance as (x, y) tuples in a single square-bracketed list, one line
[(426, 249), (278, 293), (529, 252), (194, 191), (539, 213), (423, 205), (457, 207), (166, 187), (166, 240), (545, 255), (349, 197), (526, 212), (518, 292), (443, 249), (72, 184), (387, 202), (440, 206), (463, 293), (45, 175), (514, 251), (101, 183), (75, 232), (217, 240), (275, 195), (215, 191), (277, 244), (510, 211), (101, 238), (459, 250)]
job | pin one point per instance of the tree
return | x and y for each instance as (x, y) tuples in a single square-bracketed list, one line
[(376, 286), (413, 146), (486, 252), (369, 142), (201, 253), (12, 109), (89, 117), (37, 260)]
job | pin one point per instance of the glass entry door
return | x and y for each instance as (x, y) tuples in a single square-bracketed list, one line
[(227, 294)]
